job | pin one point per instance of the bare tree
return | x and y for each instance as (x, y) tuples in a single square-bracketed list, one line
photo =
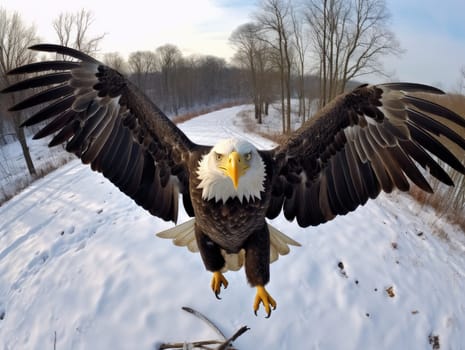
[(274, 16), (115, 61), (328, 20), (211, 75), (141, 64), (169, 57), (15, 38), (252, 54), (72, 30), (349, 38), (301, 47)]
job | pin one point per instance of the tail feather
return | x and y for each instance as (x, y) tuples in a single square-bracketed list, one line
[(183, 235), (233, 262)]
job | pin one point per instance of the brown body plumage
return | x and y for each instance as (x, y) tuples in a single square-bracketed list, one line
[(232, 226), (365, 141)]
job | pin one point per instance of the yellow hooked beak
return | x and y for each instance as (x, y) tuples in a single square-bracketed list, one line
[(236, 167)]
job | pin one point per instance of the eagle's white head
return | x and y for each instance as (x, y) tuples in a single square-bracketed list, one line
[(233, 168)]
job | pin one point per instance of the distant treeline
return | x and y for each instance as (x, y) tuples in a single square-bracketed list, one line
[(192, 85)]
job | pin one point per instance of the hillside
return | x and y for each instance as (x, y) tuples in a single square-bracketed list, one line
[(81, 268)]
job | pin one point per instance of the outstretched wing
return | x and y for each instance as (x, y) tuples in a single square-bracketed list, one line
[(110, 124), (365, 141)]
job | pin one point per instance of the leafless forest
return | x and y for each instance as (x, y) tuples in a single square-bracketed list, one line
[(308, 52)]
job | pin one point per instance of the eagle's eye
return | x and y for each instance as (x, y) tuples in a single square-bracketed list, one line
[(248, 156), (218, 157)]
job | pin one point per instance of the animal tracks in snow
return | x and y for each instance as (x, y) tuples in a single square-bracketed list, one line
[(38, 244), (38, 260)]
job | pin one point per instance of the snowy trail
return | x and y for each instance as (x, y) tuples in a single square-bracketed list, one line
[(215, 126), (80, 259)]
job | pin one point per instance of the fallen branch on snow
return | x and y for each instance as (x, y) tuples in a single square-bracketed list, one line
[(223, 344)]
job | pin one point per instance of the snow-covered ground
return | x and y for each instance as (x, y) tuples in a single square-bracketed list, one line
[(81, 268), (272, 123), (14, 175)]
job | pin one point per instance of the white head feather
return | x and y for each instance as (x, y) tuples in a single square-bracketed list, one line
[(216, 184)]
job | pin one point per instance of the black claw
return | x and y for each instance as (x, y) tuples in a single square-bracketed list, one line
[(217, 295), (267, 316)]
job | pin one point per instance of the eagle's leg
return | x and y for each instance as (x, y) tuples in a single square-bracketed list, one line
[(257, 268), (212, 259)]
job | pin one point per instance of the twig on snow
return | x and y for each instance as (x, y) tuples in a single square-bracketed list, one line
[(223, 344)]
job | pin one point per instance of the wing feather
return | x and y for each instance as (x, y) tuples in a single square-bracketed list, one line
[(99, 136), (50, 111), (111, 125), (99, 162), (39, 81), (384, 179), (44, 96), (339, 183), (64, 134), (56, 124), (393, 168), (371, 139), (435, 147), (353, 165), (43, 66), (352, 197)]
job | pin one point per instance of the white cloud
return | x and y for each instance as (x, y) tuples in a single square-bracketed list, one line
[(201, 26)]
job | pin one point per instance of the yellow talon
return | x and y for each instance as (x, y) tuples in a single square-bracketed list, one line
[(263, 297), (218, 280)]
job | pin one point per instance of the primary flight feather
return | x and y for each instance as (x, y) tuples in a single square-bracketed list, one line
[(371, 139)]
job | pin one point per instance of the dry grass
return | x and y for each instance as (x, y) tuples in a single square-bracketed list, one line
[(448, 202), (455, 103), (250, 126), (439, 202)]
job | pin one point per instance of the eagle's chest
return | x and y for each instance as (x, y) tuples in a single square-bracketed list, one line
[(229, 224)]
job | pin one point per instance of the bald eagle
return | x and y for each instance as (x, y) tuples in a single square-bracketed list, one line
[(372, 139)]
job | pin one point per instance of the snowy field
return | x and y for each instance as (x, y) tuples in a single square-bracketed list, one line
[(13, 170), (81, 268)]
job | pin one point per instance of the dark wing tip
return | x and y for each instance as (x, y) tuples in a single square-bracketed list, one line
[(63, 50), (27, 122), (7, 90), (42, 66), (414, 87)]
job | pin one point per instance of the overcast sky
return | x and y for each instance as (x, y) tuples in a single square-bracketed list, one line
[(432, 32)]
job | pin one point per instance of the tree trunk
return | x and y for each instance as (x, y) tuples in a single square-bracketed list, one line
[(22, 140), (323, 57)]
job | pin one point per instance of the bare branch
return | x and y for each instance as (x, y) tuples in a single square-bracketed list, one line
[(204, 319), (253, 52), (350, 38), (274, 18), (116, 61), (73, 29), (223, 344)]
